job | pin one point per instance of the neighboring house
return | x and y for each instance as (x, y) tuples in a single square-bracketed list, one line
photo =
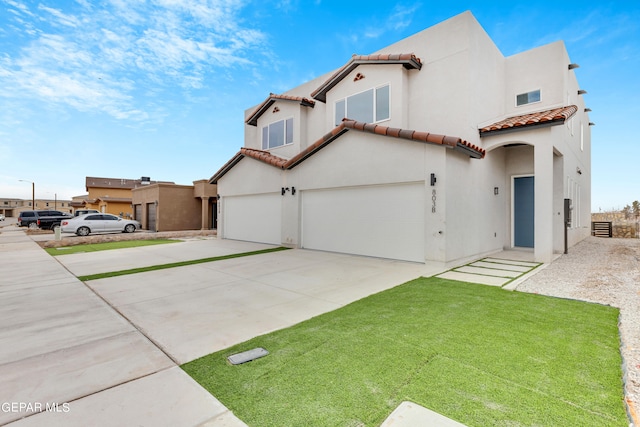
[(12, 207), (172, 207), (78, 202), (112, 195), (436, 148)]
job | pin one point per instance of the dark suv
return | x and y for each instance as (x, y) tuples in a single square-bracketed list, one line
[(26, 218)]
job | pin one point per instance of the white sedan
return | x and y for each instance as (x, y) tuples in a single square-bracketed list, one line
[(83, 225)]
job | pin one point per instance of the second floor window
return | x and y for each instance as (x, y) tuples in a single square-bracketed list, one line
[(370, 106), (528, 98), (277, 134)]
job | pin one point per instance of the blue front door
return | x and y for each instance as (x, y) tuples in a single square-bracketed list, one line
[(523, 211)]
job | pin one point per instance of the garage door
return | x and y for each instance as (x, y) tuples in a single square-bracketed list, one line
[(381, 221), (255, 218), (151, 216)]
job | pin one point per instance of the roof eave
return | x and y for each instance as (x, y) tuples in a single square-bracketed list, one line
[(267, 103), (326, 140), (320, 94), (253, 119), (521, 128), (226, 168), (474, 154)]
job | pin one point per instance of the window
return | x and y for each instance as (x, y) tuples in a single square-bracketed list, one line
[(277, 134), (528, 98), (370, 106)]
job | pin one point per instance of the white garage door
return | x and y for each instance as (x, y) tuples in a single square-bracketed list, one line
[(381, 221), (255, 218)]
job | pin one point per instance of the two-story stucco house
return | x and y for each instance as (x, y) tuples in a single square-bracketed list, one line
[(436, 148)]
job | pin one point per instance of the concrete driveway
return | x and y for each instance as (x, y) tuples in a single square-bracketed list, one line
[(107, 352), (192, 311)]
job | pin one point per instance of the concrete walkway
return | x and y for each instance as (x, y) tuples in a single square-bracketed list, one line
[(64, 349), (107, 353), (505, 269)]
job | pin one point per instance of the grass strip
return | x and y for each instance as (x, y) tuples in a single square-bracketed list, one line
[(95, 247), (477, 354), (176, 264)]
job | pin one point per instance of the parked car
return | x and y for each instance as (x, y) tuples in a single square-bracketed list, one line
[(49, 218), (84, 211), (86, 224)]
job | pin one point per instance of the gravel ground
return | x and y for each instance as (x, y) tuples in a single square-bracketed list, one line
[(45, 238), (605, 271)]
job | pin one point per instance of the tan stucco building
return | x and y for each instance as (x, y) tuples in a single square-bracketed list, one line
[(112, 195), (172, 207), (11, 208)]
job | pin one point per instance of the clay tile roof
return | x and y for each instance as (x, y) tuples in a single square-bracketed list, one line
[(317, 146), (455, 143), (264, 156), (552, 117), (267, 103), (114, 199), (448, 141), (407, 60)]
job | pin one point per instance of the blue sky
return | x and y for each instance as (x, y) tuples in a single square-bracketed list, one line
[(131, 88)]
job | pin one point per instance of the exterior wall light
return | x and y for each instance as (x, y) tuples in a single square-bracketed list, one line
[(582, 92), (591, 124), (573, 66), (586, 110)]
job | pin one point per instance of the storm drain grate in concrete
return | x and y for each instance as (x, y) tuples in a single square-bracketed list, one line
[(247, 356)]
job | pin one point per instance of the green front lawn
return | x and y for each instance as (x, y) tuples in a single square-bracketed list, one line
[(177, 264), (94, 247), (478, 354)]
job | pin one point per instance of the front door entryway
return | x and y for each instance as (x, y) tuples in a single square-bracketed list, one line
[(523, 211)]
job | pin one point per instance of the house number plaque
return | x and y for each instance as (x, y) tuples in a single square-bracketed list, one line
[(433, 200)]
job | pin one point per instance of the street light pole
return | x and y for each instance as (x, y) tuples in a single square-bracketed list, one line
[(33, 193)]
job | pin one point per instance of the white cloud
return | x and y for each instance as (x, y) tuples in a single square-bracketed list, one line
[(68, 20), (101, 57), (19, 7), (399, 19)]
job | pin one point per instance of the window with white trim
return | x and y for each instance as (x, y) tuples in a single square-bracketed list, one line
[(528, 98), (370, 106), (277, 134)]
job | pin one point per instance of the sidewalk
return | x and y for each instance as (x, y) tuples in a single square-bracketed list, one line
[(62, 348)]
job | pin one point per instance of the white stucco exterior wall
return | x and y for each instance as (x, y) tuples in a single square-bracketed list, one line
[(465, 84)]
